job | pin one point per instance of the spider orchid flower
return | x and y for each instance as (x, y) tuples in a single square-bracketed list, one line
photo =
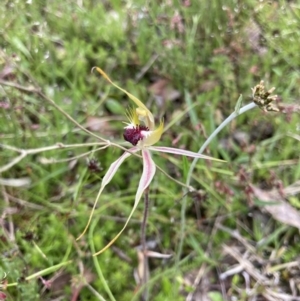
[(142, 134)]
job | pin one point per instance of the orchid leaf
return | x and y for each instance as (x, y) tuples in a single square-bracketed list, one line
[(182, 152), (149, 169), (106, 179)]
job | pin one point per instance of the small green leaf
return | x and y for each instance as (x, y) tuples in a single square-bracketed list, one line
[(21, 47), (238, 105), (114, 106), (260, 203), (215, 296)]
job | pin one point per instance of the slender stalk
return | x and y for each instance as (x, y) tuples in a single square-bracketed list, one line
[(96, 261), (24, 153), (46, 271), (215, 133), (231, 117)]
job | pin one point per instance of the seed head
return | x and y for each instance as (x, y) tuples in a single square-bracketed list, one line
[(264, 98)]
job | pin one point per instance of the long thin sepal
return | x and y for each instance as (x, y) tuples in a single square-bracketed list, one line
[(149, 169), (146, 113), (106, 179), (182, 152)]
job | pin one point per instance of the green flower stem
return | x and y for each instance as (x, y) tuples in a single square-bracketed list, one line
[(215, 133), (193, 165)]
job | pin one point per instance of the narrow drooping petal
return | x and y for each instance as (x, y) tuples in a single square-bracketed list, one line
[(142, 110), (181, 152), (149, 169), (152, 137), (115, 166), (147, 176), (106, 179)]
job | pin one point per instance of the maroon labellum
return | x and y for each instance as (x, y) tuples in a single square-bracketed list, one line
[(134, 134)]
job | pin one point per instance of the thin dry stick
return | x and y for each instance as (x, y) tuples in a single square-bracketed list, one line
[(11, 231), (26, 152), (29, 89), (53, 160)]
